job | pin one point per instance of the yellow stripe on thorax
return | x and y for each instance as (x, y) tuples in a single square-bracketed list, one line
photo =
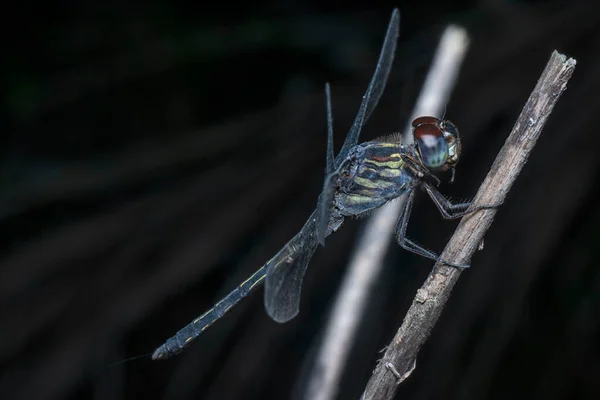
[(373, 183), (358, 199), (393, 164), (384, 172), (390, 173)]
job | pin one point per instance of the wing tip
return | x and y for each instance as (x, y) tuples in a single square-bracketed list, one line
[(281, 318)]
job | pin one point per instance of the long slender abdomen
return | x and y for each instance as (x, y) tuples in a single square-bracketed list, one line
[(191, 331)]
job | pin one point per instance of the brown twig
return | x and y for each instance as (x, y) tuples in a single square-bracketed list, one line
[(400, 356)]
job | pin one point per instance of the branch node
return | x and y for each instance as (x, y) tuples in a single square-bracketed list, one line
[(421, 296)]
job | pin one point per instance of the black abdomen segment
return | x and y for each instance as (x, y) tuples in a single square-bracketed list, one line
[(187, 334)]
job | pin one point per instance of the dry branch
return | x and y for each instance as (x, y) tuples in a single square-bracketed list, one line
[(400, 356)]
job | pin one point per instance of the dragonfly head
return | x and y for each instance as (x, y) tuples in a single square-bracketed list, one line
[(438, 143)]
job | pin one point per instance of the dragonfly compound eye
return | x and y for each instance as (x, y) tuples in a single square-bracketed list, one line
[(453, 140), (432, 145)]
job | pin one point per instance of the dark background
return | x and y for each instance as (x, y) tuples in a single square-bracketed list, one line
[(152, 157)]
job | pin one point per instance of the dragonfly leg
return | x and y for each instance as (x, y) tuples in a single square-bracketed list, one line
[(450, 210), (411, 246)]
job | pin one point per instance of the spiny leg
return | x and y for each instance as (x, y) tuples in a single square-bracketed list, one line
[(408, 244), (450, 210)]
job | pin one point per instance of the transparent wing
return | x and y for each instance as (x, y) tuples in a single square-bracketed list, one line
[(330, 162), (376, 86), (324, 204), (286, 270), (324, 207)]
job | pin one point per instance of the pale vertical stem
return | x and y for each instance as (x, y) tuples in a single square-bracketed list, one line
[(365, 265), (441, 77)]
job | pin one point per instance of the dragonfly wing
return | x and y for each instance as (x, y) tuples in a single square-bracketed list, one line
[(324, 205), (330, 162), (286, 270), (376, 86)]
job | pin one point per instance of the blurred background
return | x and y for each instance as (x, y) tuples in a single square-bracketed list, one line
[(153, 156)]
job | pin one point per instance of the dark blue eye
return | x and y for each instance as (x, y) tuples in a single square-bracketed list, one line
[(432, 145), (434, 151)]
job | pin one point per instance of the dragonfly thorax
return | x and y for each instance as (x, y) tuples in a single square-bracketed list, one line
[(374, 173)]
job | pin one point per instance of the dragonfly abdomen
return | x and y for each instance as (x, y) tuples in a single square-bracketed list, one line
[(185, 336)]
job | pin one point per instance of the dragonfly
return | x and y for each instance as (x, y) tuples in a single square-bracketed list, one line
[(361, 178)]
